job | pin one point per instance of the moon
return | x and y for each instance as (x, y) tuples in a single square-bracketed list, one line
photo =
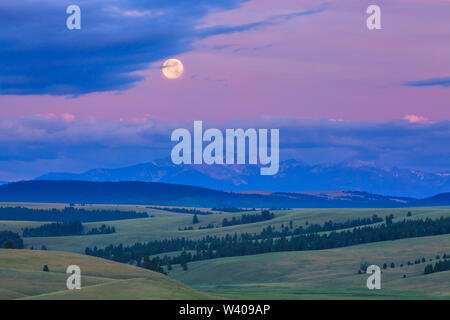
[(172, 68)]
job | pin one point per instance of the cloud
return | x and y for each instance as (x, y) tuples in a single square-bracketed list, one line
[(33, 146), (39, 55), (271, 21), (443, 82), (416, 119)]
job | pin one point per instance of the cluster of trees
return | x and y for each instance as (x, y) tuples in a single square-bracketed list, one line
[(232, 209), (209, 226), (183, 210), (365, 265), (60, 229), (417, 261), (289, 230), (443, 265), (186, 229), (55, 229), (103, 229), (66, 214), (153, 264), (210, 247), (10, 240), (248, 218)]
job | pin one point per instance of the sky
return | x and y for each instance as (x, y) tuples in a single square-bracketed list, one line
[(73, 100)]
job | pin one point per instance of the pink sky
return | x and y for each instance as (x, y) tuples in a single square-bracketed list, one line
[(326, 65)]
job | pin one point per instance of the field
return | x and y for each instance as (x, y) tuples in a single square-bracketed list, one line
[(324, 274), (167, 225), (321, 274), (21, 277)]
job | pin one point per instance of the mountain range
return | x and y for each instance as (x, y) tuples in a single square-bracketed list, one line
[(157, 193), (293, 176)]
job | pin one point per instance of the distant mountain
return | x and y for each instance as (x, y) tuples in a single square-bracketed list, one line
[(442, 199), (154, 193), (293, 176)]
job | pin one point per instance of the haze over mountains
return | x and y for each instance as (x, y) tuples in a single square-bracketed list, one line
[(293, 176)]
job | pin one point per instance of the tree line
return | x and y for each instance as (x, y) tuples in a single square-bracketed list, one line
[(67, 214), (60, 229), (211, 247), (232, 209), (439, 266), (183, 210), (10, 240), (248, 218), (289, 230)]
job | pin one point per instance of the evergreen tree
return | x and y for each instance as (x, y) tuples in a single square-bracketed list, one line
[(9, 244), (428, 269)]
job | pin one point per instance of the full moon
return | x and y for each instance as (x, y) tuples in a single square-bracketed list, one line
[(172, 68)]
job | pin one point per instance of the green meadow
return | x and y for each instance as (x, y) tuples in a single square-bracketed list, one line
[(21, 277), (325, 274), (319, 274), (167, 224)]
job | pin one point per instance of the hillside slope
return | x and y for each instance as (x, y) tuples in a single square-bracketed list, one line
[(153, 193), (325, 274), (21, 277)]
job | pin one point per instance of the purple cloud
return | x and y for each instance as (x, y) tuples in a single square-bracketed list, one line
[(32, 146)]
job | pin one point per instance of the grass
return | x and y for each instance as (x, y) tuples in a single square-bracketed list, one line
[(21, 277), (166, 226), (324, 274)]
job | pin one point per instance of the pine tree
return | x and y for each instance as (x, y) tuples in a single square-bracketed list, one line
[(9, 244), (428, 269)]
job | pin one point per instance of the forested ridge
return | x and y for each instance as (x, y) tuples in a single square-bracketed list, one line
[(439, 266), (66, 215), (211, 247), (60, 229)]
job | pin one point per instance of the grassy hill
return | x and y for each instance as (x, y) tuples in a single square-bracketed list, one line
[(21, 277), (321, 274), (166, 227), (324, 274)]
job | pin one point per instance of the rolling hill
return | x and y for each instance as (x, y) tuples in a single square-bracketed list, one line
[(154, 193), (325, 274), (442, 199), (317, 274), (21, 277)]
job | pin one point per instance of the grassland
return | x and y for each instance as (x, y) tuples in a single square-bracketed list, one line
[(325, 274), (21, 277), (166, 226)]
